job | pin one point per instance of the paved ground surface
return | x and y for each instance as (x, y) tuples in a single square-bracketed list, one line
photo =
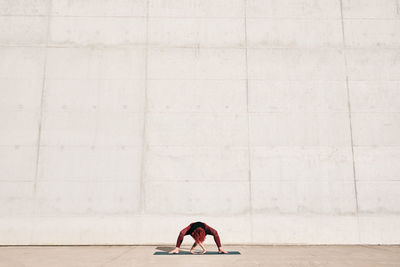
[(59, 256)]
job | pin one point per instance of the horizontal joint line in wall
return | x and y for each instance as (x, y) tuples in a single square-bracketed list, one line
[(203, 79), (100, 180), (378, 180), (105, 16), (166, 180), (93, 147), (200, 146), (308, 18), (194, 46)]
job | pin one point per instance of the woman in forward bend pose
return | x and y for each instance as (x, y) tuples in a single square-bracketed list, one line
[(198, 230)]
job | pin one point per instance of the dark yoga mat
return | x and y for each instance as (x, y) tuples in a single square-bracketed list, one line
[(207, 253)]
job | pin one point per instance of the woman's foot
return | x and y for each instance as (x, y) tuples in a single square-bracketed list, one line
[(174, 251), (220, 250)]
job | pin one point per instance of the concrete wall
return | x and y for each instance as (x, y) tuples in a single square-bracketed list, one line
[(274, 121)]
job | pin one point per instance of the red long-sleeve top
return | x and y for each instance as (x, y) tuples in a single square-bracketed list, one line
[(188, 230)]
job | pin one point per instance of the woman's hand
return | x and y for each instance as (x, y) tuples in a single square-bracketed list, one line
[(175, 251), (220, 250)]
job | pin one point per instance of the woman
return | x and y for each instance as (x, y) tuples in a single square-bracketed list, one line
[(198, 230)]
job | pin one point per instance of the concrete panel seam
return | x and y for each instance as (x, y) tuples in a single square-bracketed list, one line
[(142, 200), (41, 102), (350, 124), (352, 145), (190, 46), (40, 121), (248, 122)]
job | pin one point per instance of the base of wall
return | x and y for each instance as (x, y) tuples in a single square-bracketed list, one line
[(245, 229)]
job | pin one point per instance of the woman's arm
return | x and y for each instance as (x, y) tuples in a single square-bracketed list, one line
[(216, 238), (182, 234)]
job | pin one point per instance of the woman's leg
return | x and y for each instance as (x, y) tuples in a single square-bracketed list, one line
[(202, 246), (192, 249)]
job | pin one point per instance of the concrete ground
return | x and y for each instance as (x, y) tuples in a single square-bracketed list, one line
[(76, 256)]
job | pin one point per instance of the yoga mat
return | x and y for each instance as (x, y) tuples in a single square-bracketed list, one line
[(207, 253)]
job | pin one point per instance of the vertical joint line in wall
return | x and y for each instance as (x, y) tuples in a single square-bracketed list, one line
[(343, 35), (39, 134), (352, 144), (349, 107), (144, 140), (247, 102), (352, 157), (39, 137), (248, 124)]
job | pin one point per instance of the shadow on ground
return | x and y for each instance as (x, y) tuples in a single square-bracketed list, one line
[(166, 249)]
